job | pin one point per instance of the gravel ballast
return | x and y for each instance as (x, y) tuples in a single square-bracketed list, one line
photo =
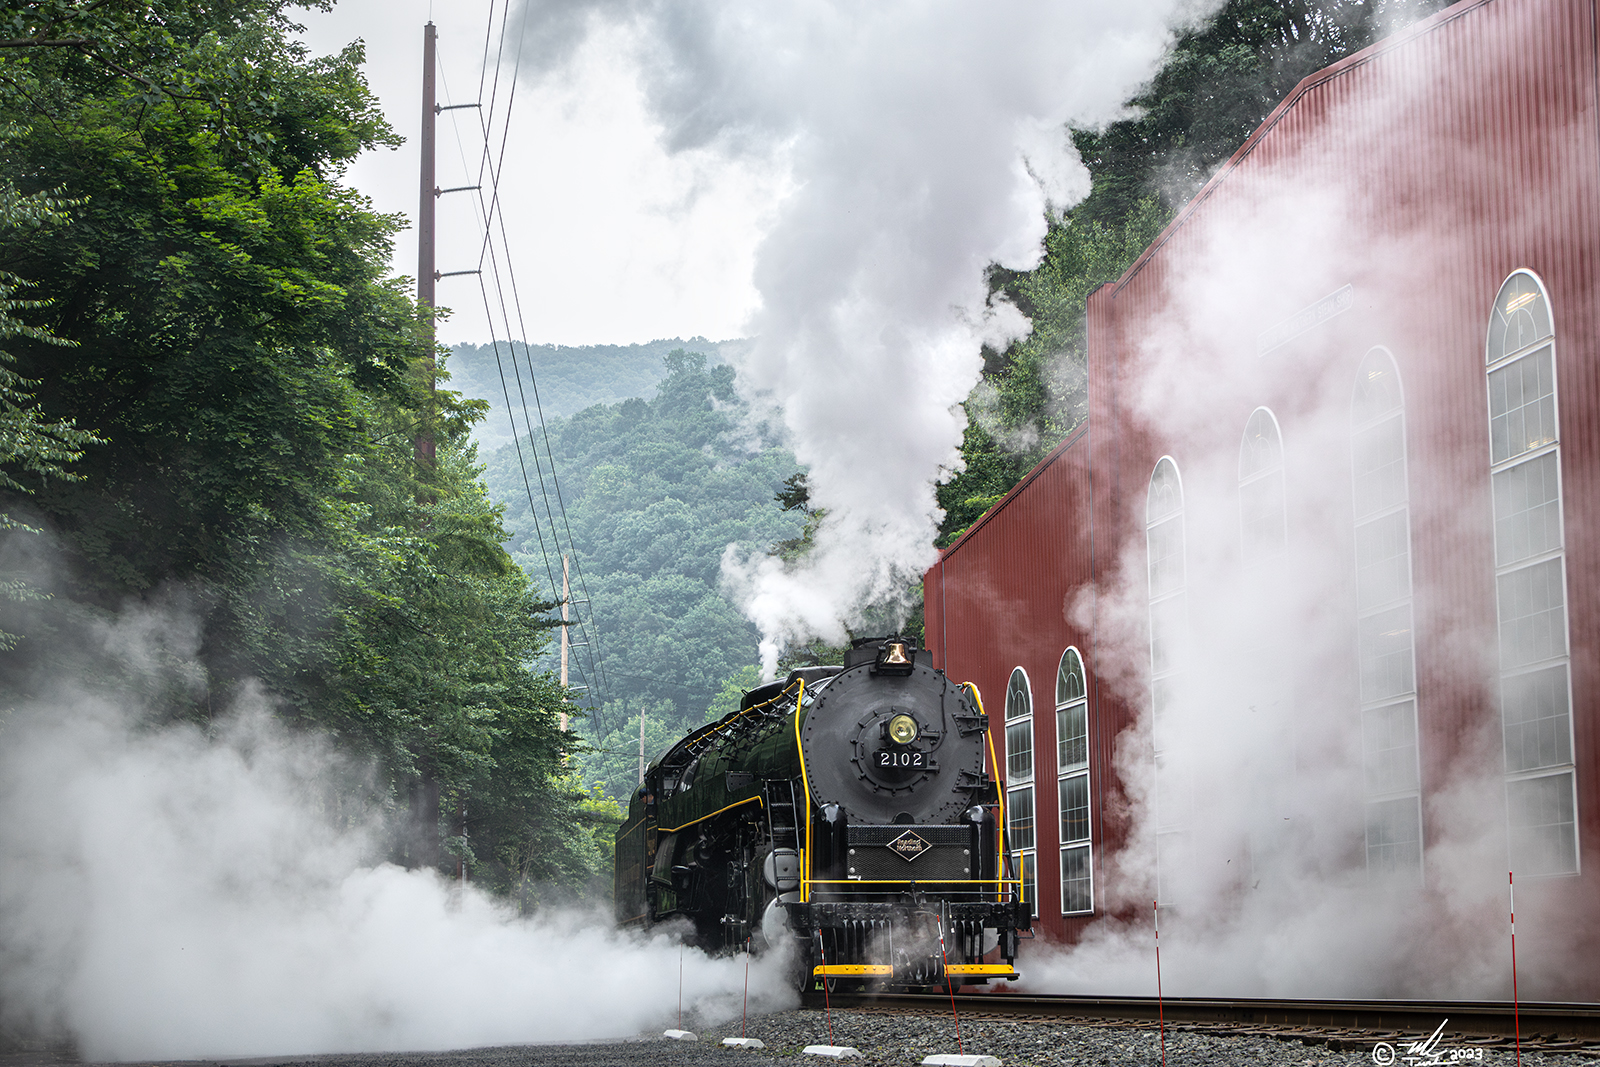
[(903, 1040), (891, 1040)]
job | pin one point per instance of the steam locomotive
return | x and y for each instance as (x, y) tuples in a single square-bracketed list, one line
[(846, 811)]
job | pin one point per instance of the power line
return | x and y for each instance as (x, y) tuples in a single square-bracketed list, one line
[(505, 243), (492, 167)]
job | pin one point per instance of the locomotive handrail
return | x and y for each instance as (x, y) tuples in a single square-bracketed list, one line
[(703, 818), (716, 728), (1000, 819), (805, 784), (1000, 799)]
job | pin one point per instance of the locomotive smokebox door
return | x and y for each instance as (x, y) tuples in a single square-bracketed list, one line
[(891, 730)]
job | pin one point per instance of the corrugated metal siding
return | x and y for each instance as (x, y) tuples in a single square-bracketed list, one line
[(1492, 163)]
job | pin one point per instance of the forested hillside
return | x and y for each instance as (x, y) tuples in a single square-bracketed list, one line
[(655, 491), (570, 378), (211, 394), (1219, 82)]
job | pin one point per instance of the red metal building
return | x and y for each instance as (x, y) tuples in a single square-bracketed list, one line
[(1308, 603)]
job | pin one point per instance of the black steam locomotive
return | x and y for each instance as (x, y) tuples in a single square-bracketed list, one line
[(844, 809)]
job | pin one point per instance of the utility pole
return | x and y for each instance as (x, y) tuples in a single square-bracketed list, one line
[(425, 801), (641, 746), (427, 201)]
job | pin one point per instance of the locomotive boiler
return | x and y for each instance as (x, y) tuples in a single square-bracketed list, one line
[(845, 811)]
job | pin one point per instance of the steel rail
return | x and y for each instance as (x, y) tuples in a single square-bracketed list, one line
[(1543, 1023)]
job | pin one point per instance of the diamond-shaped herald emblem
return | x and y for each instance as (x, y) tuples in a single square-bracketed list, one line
[(908, 846)]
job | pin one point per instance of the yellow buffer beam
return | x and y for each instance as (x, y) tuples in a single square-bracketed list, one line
[(995, 969), (851, 969)]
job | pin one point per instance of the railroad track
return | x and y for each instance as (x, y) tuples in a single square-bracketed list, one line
[(1339, 1024)]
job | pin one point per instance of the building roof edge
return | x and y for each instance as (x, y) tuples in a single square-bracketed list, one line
[(1000, 505), (1309, 82)]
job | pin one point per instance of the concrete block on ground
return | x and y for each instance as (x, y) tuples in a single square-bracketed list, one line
[(833, 1052), (960, 1061), (679, 1035), (744, 1042)]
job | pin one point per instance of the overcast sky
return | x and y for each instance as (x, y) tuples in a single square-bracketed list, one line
[(615, 241)]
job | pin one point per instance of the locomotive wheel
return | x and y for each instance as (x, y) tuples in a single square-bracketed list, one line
[(804, 980)]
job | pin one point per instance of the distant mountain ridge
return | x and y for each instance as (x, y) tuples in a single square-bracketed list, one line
[(569, 378)]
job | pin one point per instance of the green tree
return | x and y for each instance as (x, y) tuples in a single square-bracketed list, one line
[(1221, 79), (1035, 392), (32, 445), (259, 384), (224, 295)]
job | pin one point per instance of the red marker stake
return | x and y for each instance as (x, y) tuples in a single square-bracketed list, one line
[(1516, 1013), (1161, 1010), (746, 1014), (680, 987), (951, 986), (826, 1000)]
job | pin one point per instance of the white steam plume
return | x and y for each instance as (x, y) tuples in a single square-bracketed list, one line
[(167, 893), (923, 142)]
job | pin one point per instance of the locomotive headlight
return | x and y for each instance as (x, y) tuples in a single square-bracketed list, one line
[(902, 729)]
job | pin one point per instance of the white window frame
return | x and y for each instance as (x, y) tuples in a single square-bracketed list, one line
[(1494, 362), (1372, 705), (1171, 825), (1084, 845), (1258, 476), (1023, 857)]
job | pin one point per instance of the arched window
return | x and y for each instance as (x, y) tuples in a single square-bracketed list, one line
[(1384, 639), (1262, 529), (1169, 628), (1530, 579), (1164, 546), (1072, 784), (1020, 837)]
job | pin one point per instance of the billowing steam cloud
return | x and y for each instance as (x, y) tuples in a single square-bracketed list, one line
[(923, 142), (170, 893)]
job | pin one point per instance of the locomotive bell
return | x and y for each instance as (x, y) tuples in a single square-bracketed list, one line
[(894, 658)]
